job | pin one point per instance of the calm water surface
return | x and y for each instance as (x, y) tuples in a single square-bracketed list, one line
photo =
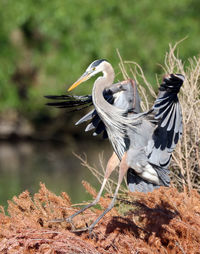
[(23, 165)]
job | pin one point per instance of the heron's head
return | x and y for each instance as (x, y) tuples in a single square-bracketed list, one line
[(94, 68)]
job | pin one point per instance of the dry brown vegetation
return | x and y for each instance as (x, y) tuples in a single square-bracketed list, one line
[(164, 221)]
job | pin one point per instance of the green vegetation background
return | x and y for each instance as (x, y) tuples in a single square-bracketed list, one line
[(45, 45)]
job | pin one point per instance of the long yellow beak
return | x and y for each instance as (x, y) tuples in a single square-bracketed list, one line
[(83, 78)]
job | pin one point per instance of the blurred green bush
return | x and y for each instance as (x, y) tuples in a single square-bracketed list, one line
[(45, 45)]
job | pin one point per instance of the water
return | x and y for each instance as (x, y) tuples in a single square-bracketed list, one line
[(23, 165)]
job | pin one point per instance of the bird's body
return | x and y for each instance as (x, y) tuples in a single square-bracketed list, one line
[(142, 142), (134, 133)]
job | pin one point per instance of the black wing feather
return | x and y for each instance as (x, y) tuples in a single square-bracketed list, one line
[(72, 102), (167, 113)]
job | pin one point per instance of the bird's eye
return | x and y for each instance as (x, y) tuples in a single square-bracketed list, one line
[(94, 69)]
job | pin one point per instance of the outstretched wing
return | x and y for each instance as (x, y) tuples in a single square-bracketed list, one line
[(167, 114), (166, 118)]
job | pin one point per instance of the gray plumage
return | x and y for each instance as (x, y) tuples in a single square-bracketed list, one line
[(149, 138)]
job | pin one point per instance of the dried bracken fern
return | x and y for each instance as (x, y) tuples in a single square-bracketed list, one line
[(164, 221), (29, 227), (173, 217)]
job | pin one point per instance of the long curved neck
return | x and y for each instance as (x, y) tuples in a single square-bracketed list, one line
[(100, 84), (111, 116)]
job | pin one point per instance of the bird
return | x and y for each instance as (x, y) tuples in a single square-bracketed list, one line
[(143, 142)]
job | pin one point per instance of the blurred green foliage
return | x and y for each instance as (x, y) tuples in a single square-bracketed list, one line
[(45, 45)]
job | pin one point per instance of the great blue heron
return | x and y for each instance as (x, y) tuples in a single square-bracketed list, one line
[(142, 142)]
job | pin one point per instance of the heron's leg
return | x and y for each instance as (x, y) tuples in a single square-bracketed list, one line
[(122, 171), (111, 165)]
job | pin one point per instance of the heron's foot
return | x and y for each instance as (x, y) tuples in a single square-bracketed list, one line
[(80, 230), (86, 229), (69, 220), (57, 220)]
